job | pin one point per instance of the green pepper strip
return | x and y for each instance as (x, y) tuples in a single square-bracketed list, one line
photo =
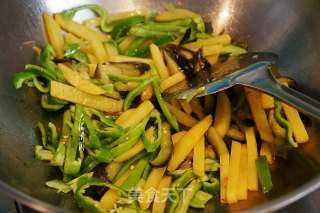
[(94, 141), (21, 77), (284, 123), (101, 155), (156, 87), (144, 51), (73, 51), (39, 85), (165, 147), (87, 202), (39, 71), (48, 106), (125, 78), (46, 60), (135, 175), (131, 140), (89, 163), (146, 171), (140, 31), (212, 187), (134, 46), (187, 195), (264, 174), (59, 155), (42, 154), (69, 14), (72, 165), (200, 199), (127, 164), (42, 130), (150, 141), (180, 183), (135, 92), (121, 27), (53, 134)]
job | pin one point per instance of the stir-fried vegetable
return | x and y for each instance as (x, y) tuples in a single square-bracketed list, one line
[(124, 145)]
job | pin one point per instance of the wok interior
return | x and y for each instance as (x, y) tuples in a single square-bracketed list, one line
[(289, 28)]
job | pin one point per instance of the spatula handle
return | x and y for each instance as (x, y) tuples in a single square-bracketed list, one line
[(266, 83)]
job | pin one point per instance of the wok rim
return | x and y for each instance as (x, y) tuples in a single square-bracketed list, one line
[(269, 206)]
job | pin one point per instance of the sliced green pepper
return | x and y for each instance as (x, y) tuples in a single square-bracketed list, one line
[(135, 92), (94, 141), (59, 155), (156, 87), (121, 27), (152, 136), (49, 106), (73, 51), (43, 154), (264, 174), (131, 140), (46, 60), (144, 51), (212, 187), (69, 14), (135, 175), (284, 123), (187, 195), (125, 78), (134, 46), (72, 162), (127, 164), (200, 199), (165, 147), (87, 202), (21, 77), (174, 192)]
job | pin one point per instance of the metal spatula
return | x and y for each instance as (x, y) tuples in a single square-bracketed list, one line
[(254, 70)]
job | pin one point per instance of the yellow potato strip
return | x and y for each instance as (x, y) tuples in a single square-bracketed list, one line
[(243, 174), (130, 153), (182, 117), (259, 115), (212, 50), (110, 198), (141, 112), (187, 142), (123, 46), (234, 168), (161, 197), (275, 127), (152, 183), (299, 131), (252, 156), (197, 108), (54, 34), (171, 81), (159, 62), (235, 134), (212, 59), (266, 151), (172, 66), (124, 116), (177, 137), (267, 101), (216, 140), (221, 39), (75, 79), (183, 85), (224, 176), (185, 106), (147, 93), (198, 158), (72, 94), (222, 114), (99, 51), (80, 30)]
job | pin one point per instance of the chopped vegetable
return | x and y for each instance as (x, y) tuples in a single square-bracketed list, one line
[(264, 174)]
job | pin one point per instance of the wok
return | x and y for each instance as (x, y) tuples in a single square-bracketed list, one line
[(290, 28)]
